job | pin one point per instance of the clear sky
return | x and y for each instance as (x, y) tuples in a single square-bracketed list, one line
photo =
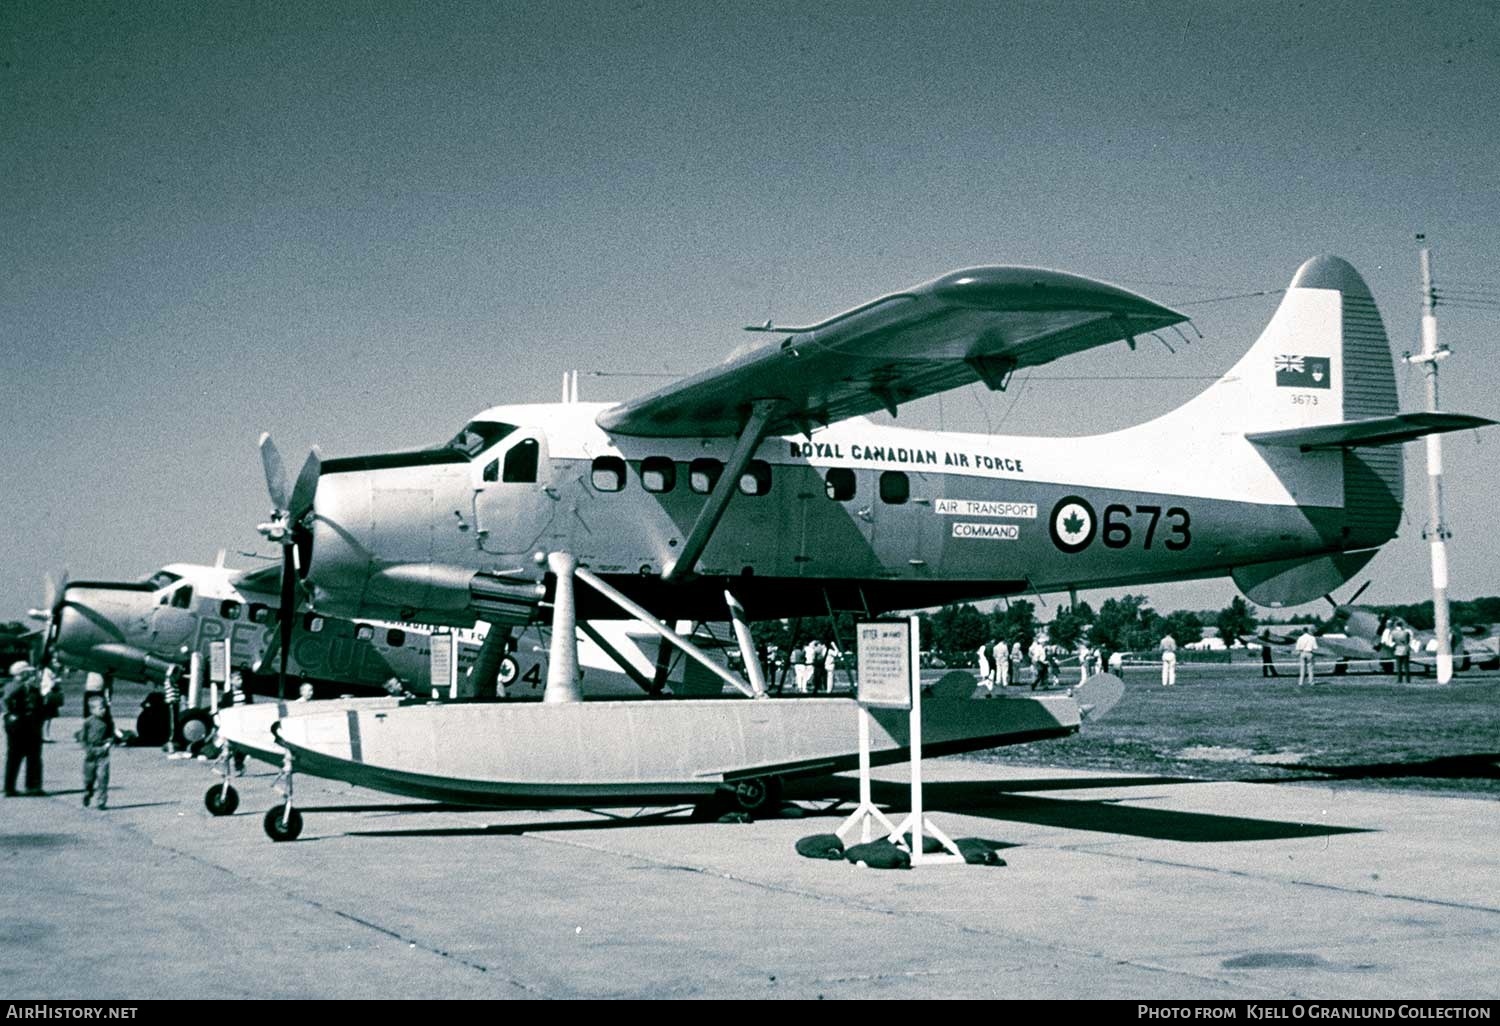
[(357, 224)]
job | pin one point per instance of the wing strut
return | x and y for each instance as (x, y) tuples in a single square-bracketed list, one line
[(761, 412)]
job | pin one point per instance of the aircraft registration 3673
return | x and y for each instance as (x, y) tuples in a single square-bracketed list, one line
[(759, 486)]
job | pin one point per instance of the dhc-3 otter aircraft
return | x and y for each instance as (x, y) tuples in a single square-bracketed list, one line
[(758, 485)]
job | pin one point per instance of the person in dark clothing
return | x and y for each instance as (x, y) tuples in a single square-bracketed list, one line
[(24, 714), (1267, 667), (96, 736)]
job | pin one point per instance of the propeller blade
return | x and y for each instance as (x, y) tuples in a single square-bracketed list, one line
[(270, 460), (1355, 597), (307, 485), (50, 592), (287, 614)]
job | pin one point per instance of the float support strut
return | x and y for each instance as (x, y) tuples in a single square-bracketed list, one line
[(562, 661), (640, 613), (747, 645)]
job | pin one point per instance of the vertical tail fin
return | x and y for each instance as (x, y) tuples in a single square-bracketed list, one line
[(1323, 359)]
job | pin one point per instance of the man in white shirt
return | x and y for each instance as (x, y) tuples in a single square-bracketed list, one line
[(1306, 646), (1168, 661)]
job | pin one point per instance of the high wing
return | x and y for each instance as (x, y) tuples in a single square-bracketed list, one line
[(979, 324)]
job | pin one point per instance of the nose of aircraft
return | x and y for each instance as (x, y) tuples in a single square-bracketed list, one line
[(376, 539), (91, 616), (336, 558)]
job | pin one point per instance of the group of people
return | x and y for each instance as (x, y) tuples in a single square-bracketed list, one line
[(1001, 663), (812, 666), (32, 700)]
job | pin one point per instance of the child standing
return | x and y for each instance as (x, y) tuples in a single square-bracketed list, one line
[(96, 735)]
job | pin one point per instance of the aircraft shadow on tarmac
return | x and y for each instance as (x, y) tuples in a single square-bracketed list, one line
[(989, 799), (995, 800), (1478, 766)]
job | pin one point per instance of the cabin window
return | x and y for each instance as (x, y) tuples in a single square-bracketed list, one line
[(229, 609), (895, 487), (520, 462), (658, 474), (182, 598), (395, 637), (838, 484), (259, 613), (492, 470), (608, 474), (313, 623), (756, 480), (364, 632), (704, 474)]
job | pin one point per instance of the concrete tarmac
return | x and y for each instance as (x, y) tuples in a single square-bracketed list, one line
[(1114, 888)]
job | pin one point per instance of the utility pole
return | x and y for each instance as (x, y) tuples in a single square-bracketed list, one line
[(1436, 532)]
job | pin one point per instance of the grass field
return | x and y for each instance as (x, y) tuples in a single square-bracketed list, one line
[(1228, 723)]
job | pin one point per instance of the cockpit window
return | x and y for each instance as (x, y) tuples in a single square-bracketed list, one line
[(182, 598), (161, 579), (520, 462), (477, 436)]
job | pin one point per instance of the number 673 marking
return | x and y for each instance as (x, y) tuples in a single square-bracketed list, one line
[(1117, 533)]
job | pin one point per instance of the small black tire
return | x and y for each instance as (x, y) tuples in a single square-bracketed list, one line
[(221, 801), (279, 828), (757, 794)]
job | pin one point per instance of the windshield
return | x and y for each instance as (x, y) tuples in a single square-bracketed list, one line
[(477, 436), (161, 579)]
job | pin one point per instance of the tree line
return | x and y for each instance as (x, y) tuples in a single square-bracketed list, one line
[(1123, 624)]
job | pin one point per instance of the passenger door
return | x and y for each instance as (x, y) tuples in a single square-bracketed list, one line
[(172, 621), (514, 501)]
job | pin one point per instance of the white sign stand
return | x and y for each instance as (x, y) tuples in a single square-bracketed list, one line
[(218, 671), (888, 655), (443, 662), (916, 820)]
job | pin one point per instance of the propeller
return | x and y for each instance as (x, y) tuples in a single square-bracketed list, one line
[(53, 599), (286, 528)]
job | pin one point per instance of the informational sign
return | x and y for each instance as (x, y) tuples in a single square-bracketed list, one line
[(218, 661), (444, 663), (884, 658)]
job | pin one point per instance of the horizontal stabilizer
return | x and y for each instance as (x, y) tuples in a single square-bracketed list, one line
[(1291, 582), (1350, 434)]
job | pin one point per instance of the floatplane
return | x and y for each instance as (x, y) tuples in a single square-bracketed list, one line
[(760, 488)]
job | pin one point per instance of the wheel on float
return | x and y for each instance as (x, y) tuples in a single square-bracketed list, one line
[(757, 794), (281, 827), (221, 801)]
